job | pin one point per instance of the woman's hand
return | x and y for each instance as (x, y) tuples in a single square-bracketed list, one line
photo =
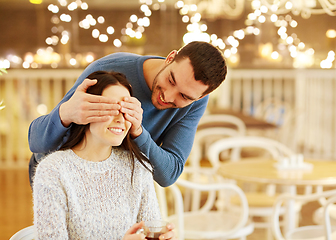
[(170, 234), (131, 233)]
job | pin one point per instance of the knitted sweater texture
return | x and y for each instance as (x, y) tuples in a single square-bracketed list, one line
[(79, 199)]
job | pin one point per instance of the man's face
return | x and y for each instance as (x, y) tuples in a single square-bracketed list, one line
[(175, 86)]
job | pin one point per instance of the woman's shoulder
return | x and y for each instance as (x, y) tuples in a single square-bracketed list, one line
[(54, 159)]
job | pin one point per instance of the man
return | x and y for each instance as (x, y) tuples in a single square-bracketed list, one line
[(170, 96)]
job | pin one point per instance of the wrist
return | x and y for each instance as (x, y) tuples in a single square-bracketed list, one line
[(62, 114), (136, 133)]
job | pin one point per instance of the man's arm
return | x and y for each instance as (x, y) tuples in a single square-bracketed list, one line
[(48, 132), (170, 157)]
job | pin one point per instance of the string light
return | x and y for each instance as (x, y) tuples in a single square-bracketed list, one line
[(196, 29), (328, 62), (35, 1)]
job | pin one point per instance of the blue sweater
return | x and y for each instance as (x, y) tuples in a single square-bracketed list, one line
[(167, 135)]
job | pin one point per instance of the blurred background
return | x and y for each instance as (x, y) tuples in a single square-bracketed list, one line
[(277, 50), (252, 34), (280, 53)]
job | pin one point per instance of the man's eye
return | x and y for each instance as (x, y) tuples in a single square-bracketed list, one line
[(171, 81), (184, 97)]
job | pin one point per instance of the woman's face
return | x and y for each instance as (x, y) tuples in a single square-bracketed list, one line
[(113, 131)]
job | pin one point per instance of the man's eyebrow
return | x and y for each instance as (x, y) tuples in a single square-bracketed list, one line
[(186, 96)]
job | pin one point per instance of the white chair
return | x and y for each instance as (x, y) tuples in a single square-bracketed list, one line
[(311, 232), (222, 120), (203, 135), (276, 149), (206, 222), (194, 162), (318, 213), (212, 127), (27, 233), (260, 201)]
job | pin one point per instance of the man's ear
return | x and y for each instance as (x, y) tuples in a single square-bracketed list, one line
[(203, 96), (171, 56)]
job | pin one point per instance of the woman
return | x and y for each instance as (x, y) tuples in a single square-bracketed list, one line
[(98, 185)]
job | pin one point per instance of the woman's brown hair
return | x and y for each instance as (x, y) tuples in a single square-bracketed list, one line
[(77, 132)]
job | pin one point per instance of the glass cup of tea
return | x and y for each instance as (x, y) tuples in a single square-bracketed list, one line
[(153, 229)]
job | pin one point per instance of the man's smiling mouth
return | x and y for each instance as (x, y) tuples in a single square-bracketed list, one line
[(162, 100)]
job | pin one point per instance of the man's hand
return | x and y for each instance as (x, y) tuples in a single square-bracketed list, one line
[(84, 108), (131, 107)]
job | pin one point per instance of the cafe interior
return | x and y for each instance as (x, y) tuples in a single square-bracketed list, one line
[(263, 162)]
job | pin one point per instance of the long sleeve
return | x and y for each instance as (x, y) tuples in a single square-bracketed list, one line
[(149, 207), (50, 205), (47, 133), (169, 152), (167, 136)]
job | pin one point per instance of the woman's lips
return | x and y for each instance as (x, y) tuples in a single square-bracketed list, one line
[(117, 131)]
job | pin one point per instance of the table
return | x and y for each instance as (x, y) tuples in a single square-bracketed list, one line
[(263, 171)]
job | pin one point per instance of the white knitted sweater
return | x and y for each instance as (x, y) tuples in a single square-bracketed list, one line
[(79, 199)]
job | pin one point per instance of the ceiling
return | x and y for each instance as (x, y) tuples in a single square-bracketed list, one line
[(115, 4)]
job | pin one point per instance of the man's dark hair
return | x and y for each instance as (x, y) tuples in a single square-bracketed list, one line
[(207, 61), (77, 132)]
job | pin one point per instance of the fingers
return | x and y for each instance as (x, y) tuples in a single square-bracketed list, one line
[(95, 112), (97, 99), (130, 104), (131, 233), (170, 234), (104, 104), (86, 84), (83, 108), (135, 227), (131, 107)]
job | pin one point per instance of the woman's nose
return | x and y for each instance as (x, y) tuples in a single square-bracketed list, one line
[(119, 118)]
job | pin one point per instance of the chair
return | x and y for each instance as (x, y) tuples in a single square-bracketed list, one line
[(310, 232), (222, 120), (275, 149), (27, 233), (197, 153), (207, 222), (260, 200), (318, 213), (196, 160), (212, 127)]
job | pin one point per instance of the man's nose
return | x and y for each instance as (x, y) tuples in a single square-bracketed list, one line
[(170, 95)]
